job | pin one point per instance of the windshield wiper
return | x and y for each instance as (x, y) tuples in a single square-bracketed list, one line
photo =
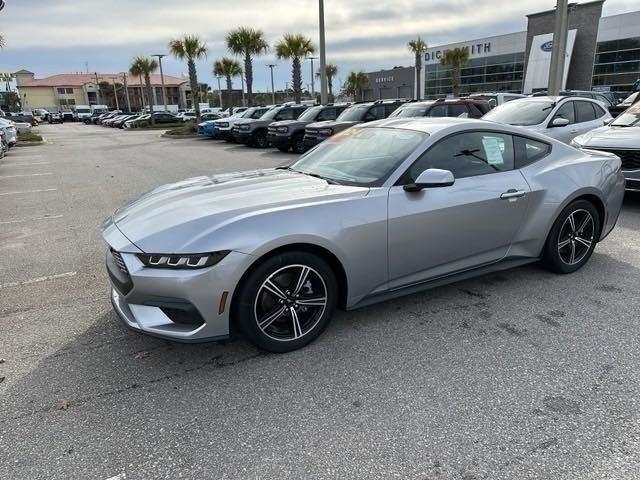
[(315, 175)]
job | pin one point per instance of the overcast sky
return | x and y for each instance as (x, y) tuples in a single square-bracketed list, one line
[(56, 36)]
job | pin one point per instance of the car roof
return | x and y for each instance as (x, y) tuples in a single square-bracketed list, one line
[(428, 125)]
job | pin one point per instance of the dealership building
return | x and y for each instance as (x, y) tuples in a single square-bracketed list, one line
[(603, 53)]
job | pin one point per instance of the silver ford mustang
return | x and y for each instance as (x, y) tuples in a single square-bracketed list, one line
[(381, 210)]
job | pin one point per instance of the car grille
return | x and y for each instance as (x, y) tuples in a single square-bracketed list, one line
[(630, 158), (311, 132), (272, 129), (117, 258)]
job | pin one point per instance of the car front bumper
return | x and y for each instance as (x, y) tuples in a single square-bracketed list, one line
[(241, 136), (632, 178), (278, 141), (311, 141), (181, 305)]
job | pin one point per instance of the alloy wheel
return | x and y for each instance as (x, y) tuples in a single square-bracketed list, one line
[(290, 302), (576, 237)]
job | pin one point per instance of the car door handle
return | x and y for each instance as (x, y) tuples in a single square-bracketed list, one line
[(513, 193), (574, 131)]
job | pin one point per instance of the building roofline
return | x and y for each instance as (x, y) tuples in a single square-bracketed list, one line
[(574, 4)]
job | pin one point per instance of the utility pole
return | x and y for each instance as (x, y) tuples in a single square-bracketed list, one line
[(244, 101), (558, 54), (273, 90), (219, 91), (97, 90), (313, 85), (323, 56), (115, 92), (164, 91), (126, 92)]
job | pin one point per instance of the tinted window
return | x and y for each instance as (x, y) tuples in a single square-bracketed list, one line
[(467, 155), (566, 111), (599, 111), (412, 110), (287, 114), (474, 111), (521, 112), (327, 114), (529, 151), (438, 111), (389, 108), (458, 111), (312, 114), (584, 112), (375, 113), (603, 99), (353, 114)]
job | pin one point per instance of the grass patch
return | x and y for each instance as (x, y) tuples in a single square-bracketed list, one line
[(29, 137), (185, 129)]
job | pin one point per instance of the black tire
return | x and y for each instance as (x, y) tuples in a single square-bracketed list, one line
[(571, 242), (256, 302), (283, 148), (297, 143), (259, 139)]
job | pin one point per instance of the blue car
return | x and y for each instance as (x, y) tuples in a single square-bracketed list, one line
[(208, 129)]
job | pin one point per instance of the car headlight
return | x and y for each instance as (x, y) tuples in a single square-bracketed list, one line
[(282, 129), (222, 125), (243, 127), (327, 132), (183, 262)]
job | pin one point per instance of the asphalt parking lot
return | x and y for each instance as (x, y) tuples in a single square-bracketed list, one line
[(517, 375)]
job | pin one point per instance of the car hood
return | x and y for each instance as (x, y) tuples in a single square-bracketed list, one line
[(289, 123), (333, 124), (187, 216), (611, 137)]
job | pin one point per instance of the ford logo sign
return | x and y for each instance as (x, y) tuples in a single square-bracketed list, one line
[(547, 46)]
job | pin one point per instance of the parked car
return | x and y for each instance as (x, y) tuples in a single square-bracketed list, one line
[(188, 116), (605, 100), (140, 121), (124, 118), (253, 132), (4, 146), (624, 104), (106, 116), (378, 211), (497, 98), (10, 132), (210, 116), (68, 117), (443, 107), (55, 117), (21, 127), (562, 118), (289, 134), (24, 118), (317, 132), (224, 126), (622, 138)]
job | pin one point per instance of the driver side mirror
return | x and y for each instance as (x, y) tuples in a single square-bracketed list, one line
[(560, 122), (431, 178)]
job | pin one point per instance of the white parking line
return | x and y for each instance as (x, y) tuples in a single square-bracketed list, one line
[(38, 280), (32, 219), (25, 164), (29, 191), (26, 175)]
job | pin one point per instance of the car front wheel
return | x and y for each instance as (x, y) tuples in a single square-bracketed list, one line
[(259, 139), (573, 238), (287, 301)]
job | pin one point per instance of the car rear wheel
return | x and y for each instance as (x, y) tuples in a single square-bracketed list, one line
[(287, 301), (297, 144), (573, 238)]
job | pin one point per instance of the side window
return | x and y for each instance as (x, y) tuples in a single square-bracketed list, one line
[(474, 111), (529, 151), (585, 112), (326, 114), (566, 111), (600, 112), (298, 111), (603, 99), (457, 110), (389, 108), (467, 155), (375, 113), (286, 114), (438, 111)]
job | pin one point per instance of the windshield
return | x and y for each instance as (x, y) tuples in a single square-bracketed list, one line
[(271, 114), (629, 118), (521, 112), (310, 114), (410, 111), (360, 156), (83, 110), (352, 114)]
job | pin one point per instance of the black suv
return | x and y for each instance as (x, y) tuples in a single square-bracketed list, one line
[(289, 134), (253, 131), (357, 113), (444, 107)]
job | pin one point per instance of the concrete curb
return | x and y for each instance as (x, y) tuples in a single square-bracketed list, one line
[(30, 144), (195, 135)]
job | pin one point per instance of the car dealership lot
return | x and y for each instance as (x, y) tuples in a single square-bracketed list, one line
[(522, 374)]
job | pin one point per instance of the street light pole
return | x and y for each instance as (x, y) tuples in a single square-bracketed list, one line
[(97, 90), (313, 85), (273, 90), (244, 101), (126, 92), (323, 56), (558, 54), (164, 91), (219, 91)]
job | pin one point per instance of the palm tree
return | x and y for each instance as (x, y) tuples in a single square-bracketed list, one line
[(145, 66), (356, 84), (294, 47), (228, 68), (418, 46), (191, 49), (455, 58), (330, 70), (247, 42)]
